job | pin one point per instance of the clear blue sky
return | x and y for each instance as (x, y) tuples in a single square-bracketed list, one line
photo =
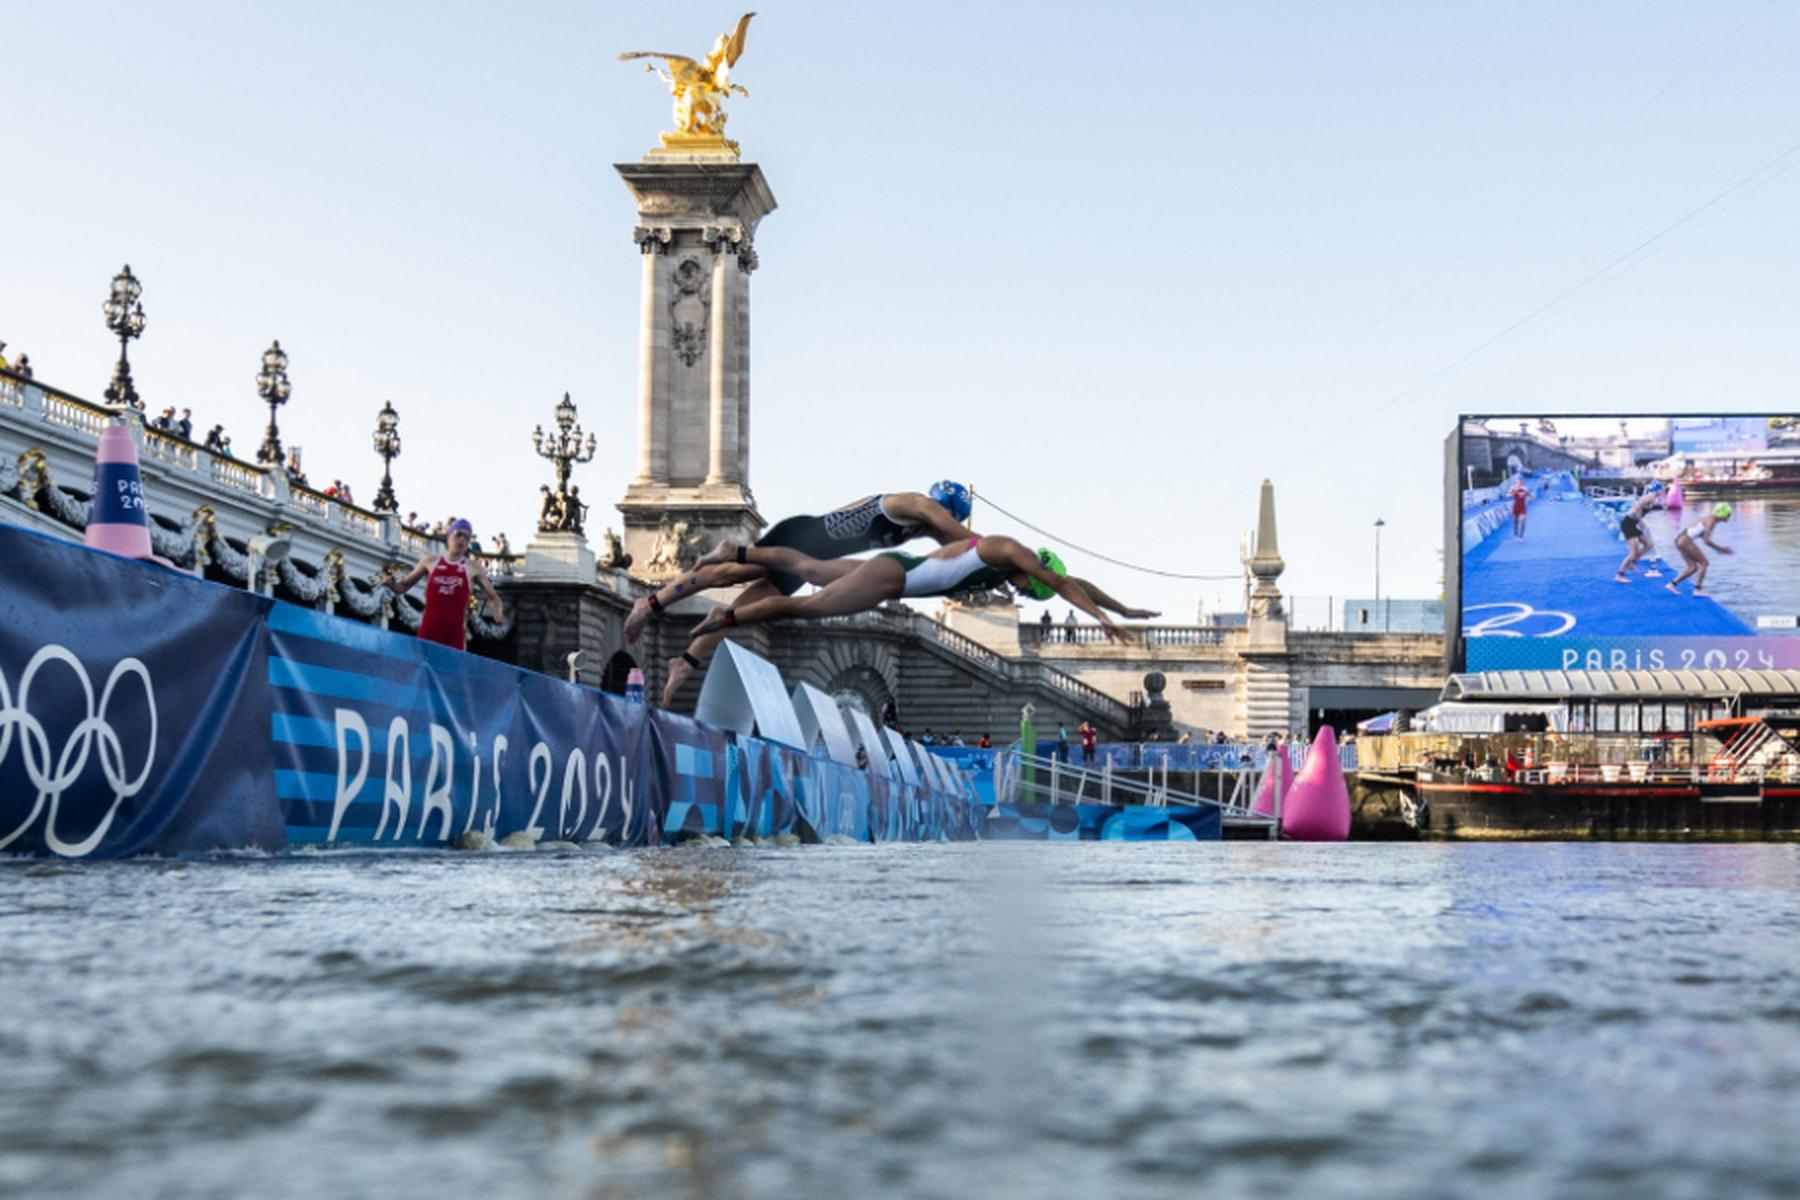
[(1113, 264)]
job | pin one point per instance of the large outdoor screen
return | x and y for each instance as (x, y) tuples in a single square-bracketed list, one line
[(1627, 543)]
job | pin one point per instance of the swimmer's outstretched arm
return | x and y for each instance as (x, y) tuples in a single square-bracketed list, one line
[(1105, 601), (1009, 554), (916, 508)]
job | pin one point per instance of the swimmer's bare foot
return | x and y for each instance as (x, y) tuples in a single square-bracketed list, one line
[(724, 552), (679, 670), (638, 618), (715, 620)]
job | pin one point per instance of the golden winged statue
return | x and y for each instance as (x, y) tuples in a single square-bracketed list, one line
[(700, 88)]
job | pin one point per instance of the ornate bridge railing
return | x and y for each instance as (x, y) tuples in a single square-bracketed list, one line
[(1015, 670), (1036, 634)]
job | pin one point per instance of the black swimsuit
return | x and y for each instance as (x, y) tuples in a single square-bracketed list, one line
[(864, 525)]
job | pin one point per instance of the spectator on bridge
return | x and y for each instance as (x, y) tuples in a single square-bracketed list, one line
[(165, 420), (1185, 738), (1219, 739), (984, 742), (956, 739), (450, 582), (1045, 625), (1062, 742), (1068, 627), (185, 426), (22, 368), (929, 739), (4, 365), (1089, 740)]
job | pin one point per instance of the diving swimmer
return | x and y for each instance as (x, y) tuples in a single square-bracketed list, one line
[(974, 564), (875, 522), (1688, 542)]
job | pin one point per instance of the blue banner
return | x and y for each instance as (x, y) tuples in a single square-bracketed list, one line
[(131, 710), (145, 712)]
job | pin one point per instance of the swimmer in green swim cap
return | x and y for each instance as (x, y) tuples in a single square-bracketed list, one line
[(961, 568), (1688, 542)]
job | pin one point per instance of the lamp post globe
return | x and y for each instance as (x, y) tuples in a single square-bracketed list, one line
[(125, 319), (273, 386), (387, 445)]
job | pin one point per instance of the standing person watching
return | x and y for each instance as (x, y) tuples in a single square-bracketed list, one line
[(449, 585), (1088, 741)]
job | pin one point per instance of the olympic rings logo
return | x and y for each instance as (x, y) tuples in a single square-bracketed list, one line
[(54, 774), (1517, 620)]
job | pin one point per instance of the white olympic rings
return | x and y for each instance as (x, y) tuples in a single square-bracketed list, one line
[(1506, 624), (53, 775)]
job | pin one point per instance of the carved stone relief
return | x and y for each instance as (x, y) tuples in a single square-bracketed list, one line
[(690, 301)]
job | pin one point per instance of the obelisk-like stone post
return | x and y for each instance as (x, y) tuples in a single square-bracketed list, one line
[(697, 218)]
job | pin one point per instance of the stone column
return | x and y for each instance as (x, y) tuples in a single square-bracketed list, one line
[(653, 451), (691, 486), (746, 258), (720, 443)]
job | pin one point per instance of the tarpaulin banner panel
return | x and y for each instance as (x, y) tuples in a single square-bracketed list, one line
[(388, 740), (132, 716), (145, 712), (1035, 821)]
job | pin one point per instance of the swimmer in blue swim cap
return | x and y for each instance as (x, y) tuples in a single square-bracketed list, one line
[(976, 564), (877, 522)]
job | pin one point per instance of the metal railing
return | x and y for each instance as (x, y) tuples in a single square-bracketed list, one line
[(1033, 778), (1722, 769)]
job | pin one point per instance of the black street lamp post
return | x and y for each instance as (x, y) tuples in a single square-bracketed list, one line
[(1379, 526), (125, 317), (564, 448), (272, 385), (387, 444)]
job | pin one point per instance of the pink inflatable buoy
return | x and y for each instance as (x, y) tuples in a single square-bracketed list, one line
[(1278, 780), (1676, 499), (1317, 807), (117, 519)]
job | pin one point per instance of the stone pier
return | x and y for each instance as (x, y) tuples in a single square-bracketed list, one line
[(697, 218)]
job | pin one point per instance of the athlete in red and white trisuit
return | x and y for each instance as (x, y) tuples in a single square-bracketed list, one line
[(449, 579)]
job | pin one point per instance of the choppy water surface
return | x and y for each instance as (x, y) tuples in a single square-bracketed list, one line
[(1094, 1020)]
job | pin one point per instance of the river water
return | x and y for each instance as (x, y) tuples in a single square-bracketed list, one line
[(1762, 574), (1068, 1020)]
